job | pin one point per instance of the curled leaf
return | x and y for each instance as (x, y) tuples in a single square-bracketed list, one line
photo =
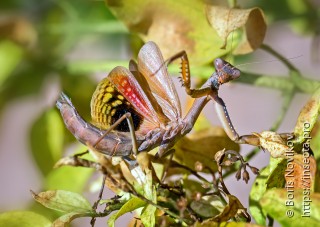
[(65, 220), (226, 20), (273, 143), (218, 157), (229, 211)]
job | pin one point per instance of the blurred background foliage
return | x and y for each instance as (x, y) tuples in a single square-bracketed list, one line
[(67, 43)]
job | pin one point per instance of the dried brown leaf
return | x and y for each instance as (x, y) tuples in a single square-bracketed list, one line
[(202, 146), (229, 211), (226, 20), (273, 143)]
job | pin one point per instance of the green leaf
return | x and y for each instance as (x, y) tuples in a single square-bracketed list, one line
[(191, 187), (205, 208), (274, 82), (307, 117), (303, 24), (23, 219), (175, 26), (26, 81), (276, 178), (10, 56), (271, 176), (132, 204), (225, 224), (55, 132), (147, 216), (158, 168), (274, 203), (68, 178), (36, 207), (149, 188), (46, 140), (88, 66), (302, 83), (64, 201), (149, 192), (315, 142)]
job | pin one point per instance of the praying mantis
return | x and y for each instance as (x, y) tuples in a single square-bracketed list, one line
[(144, 96)]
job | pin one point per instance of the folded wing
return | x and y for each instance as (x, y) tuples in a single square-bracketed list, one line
[(152, 66), (127, 84)]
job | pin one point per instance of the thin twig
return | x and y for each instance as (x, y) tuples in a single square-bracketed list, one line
[(135, 193)]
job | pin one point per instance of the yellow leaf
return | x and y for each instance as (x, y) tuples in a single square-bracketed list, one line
[(307, 118), (301, 172)]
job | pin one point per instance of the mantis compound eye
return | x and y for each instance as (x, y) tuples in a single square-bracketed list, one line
[(218, 63)]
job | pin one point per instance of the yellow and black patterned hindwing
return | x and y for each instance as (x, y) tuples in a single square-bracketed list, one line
[(108, 105)]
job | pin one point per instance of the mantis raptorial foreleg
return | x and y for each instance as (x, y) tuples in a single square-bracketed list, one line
[(224, 73), (185, 75), (224, 118)]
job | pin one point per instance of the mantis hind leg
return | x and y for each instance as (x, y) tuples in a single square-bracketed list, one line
[(126, 116)]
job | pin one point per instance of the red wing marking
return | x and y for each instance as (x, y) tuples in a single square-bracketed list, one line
[(128, 86)]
